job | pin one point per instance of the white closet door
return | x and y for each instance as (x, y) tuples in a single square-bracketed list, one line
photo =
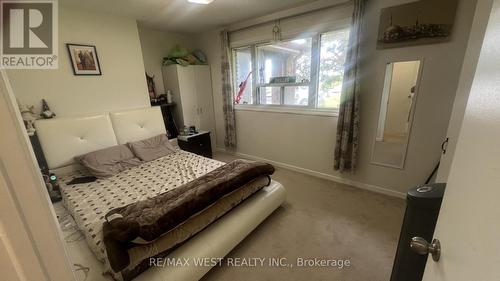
[(187, 86), (205, 101)]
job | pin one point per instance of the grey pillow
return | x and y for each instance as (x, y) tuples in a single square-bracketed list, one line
[(109, 161), (152, 148)]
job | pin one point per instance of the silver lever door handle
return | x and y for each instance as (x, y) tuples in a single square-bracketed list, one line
[(420, 246)]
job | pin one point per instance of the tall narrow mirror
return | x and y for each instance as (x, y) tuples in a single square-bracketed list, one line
[(396, 113)]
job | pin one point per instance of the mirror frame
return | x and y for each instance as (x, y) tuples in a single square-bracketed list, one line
[(412, 115)]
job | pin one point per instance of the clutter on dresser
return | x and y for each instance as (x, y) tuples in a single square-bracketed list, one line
[(180, 55), (188, 131), (160, 99), (29, 116), (52, 185), (197, 143)]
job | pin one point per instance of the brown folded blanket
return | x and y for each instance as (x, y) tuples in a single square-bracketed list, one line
[(151, 218)]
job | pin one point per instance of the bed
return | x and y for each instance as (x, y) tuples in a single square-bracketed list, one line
[(64, 138)]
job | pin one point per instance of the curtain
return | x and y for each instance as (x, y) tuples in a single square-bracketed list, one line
[(346, 145), (227, 92)]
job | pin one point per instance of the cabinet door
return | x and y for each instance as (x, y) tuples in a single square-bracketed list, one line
[(205, 101), (187, 87)]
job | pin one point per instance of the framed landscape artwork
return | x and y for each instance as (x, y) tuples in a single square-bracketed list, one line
[(416, 23), (84, 59)]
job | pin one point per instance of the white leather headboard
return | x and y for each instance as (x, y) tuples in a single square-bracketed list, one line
[(138, 124), (64, 138)]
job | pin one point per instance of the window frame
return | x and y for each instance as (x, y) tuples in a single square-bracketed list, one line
[(312, 78), (233, 69), (312, 107)]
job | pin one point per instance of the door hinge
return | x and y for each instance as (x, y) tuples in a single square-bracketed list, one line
[(444, 145)]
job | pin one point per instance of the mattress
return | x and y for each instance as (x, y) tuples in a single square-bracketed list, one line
[(164, 245), (89, 203)]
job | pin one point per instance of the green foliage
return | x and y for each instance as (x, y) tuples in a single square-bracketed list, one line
[(333, 53)]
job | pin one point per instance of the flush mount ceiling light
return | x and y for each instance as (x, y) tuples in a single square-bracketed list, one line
[(202, 2)]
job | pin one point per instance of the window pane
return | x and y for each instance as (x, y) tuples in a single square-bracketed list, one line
[(331, 70), (297, 95), (289, 58), (270, 95), (242, 75)]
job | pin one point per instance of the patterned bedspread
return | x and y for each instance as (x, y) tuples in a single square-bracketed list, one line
[(89, 202)]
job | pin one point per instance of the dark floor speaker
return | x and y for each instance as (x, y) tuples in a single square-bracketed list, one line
[(422, 209)]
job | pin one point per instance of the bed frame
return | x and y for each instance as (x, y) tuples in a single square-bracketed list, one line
[(64, 138)]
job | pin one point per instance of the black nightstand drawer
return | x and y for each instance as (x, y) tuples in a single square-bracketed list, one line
[(199, 144)]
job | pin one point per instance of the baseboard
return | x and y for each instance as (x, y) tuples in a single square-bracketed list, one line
[(365, 186)]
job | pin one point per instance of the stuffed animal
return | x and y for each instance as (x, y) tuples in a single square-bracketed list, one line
[(46, 112), (180, 55), (28, 115)]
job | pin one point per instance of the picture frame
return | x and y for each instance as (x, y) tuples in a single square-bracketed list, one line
[(84, 59), (416, 23)]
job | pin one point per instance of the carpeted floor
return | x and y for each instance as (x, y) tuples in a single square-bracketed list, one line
[(321, 219)]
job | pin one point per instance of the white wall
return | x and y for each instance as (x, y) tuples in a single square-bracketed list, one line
[(155, 46), (122, 84), (308, 142)]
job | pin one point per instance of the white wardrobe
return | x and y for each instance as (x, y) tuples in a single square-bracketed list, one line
[(191, 88)]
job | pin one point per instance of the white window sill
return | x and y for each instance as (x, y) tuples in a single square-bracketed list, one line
[(288, 110)]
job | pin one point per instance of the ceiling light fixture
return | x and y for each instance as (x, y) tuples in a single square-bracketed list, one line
[(202, 2)]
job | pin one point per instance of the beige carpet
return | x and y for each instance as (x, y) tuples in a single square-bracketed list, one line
[(321, 219)]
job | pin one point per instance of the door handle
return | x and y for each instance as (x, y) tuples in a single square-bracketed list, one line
[(420, 246)]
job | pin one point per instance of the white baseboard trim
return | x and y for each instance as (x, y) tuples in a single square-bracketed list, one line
[(365, 186)]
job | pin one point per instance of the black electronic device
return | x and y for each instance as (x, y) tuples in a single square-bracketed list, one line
[(52, 186), (81, 180)]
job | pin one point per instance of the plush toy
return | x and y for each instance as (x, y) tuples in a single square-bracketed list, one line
[(180, 55), (28, 114), (202, 58), (178, 52), (46, 112)]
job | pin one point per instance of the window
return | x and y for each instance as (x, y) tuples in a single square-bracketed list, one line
[(285, 72), (331, 68), (242, 61), (302, 73)]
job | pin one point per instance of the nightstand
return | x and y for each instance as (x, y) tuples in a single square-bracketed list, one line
[(198, 143)]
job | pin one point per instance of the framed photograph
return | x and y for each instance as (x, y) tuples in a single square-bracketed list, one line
[(84, 59), (416, 23)]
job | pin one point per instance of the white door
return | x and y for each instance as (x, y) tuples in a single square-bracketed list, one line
[(205, 101), (31, 245), (469, 222), (483, 9), (187, 91)]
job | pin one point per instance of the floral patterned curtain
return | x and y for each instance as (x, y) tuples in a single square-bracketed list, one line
[(346, 146), (227, 92)]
